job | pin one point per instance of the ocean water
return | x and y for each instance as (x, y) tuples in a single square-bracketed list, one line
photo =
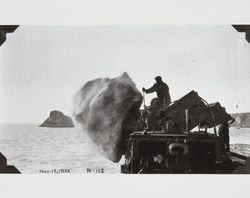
[(33, 149), (240, 140)]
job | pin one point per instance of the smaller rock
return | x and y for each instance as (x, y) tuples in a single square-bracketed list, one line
[(57, 119)]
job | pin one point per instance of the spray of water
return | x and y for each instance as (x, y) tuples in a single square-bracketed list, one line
[(107, 110)]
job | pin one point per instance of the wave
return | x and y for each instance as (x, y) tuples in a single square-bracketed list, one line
[(107, 109)]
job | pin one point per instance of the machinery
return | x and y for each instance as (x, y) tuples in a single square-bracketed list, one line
[(180, 138)]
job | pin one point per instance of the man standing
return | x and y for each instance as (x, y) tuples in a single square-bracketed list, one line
[(224, 134), (161, 89)]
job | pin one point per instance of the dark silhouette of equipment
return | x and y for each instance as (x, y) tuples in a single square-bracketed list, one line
[(179, 139)]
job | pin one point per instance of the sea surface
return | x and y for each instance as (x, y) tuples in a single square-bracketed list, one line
[(34, 149)]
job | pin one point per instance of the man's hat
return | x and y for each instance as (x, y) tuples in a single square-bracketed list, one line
[(158, 78)]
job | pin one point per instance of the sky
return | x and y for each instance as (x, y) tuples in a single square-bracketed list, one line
[(42, 67)]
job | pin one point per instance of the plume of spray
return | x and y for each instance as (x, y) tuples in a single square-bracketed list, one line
[(107, 110)]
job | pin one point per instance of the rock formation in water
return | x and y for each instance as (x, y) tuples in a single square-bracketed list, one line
[(57, 119), (241, 120), (107, 110)]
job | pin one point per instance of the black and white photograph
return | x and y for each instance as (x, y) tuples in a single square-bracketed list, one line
[(135, 98), (121, 99)]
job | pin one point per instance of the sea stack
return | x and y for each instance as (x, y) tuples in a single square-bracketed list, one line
[(57, 119)]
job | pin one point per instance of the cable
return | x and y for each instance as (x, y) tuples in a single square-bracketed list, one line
[(212, 114)]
